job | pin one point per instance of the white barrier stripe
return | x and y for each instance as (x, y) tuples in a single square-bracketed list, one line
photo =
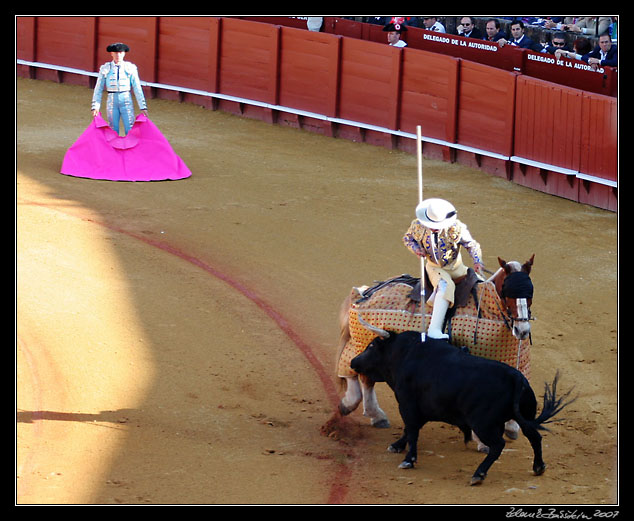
[(340, 121)]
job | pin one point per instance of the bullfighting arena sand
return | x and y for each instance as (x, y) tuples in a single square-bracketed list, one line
[(176, 341)]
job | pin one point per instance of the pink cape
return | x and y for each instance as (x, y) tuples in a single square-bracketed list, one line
[(143, 155)]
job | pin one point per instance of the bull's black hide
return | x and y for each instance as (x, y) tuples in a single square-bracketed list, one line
[(435, 381)]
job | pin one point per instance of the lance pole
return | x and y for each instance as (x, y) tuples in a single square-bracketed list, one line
[(419, 155)]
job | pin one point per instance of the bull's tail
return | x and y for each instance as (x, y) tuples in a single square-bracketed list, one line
[(552, 405)]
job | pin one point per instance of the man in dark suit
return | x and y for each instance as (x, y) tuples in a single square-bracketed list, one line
[(468, 29), (558, 43), (519, 39), (604, 54), (493, 30)]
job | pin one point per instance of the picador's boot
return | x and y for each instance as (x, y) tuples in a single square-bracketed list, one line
[(441, 305)]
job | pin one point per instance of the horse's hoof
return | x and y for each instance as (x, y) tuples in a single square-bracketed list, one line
[(406, 465), (511, 434), (344, 411), (381, 424)]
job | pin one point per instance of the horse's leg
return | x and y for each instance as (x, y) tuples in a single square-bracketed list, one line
[(353, 396), (511, 429), (481, 446), (371, 407)]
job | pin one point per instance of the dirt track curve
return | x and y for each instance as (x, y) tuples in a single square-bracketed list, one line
[(175, 341)]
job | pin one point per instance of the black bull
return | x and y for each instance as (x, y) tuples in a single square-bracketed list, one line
[(435, 381)]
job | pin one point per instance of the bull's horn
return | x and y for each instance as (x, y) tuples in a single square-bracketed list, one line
[(381, 332)]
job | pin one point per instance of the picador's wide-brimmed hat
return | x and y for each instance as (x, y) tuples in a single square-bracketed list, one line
[(118, 47), (436, 213), (397, 24)]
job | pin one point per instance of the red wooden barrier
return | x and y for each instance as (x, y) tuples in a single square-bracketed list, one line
[(429, 100), (599, 139), (486, 108), (548, 123), (369, 83), (309, 71), (548, 136)]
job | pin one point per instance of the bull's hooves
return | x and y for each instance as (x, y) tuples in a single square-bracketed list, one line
[(477, 480), (511, 435), (406, 465), (539, 470), (394, 450), (382, 424)]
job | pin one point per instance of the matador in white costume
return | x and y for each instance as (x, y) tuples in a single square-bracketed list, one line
[(120, 78)]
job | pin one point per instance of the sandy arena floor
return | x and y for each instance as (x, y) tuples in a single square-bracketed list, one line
[(176, 341)]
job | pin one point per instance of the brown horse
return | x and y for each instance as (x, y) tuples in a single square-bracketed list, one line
[(494, 323)]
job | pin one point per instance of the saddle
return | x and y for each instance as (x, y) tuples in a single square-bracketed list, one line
[(465, 287)]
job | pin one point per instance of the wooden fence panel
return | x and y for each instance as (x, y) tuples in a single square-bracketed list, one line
[(486, 107)]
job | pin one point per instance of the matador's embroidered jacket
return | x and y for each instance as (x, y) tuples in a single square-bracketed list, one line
[(119, 81), (442, 247), (118, 78)]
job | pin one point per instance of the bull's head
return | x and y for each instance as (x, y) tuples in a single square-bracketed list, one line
[(371, 362)]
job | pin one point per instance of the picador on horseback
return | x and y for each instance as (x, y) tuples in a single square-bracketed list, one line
[(437, 234)]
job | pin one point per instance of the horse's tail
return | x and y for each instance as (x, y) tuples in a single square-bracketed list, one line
[(344, 336)]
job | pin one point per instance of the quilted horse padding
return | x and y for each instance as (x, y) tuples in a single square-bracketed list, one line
[(479, 325)]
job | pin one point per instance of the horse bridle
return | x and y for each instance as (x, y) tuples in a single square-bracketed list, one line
[(517, 285)]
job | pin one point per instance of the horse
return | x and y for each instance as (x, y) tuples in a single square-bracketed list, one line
[(493, 323)]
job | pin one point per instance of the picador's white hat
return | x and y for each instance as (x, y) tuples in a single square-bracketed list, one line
[(436, 213)]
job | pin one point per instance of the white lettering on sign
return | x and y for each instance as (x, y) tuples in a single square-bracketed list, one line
[(541, 58), (460, 43), (435, 38)]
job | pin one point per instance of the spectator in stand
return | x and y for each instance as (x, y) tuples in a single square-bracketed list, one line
[(519, 39), (394, 30), (412, 21), (605, 54), (493, 31), (554, 22), (581, 47), (378, 20), (557, 43), (468, 29), (314, 23), (431, 23), (589, 25)]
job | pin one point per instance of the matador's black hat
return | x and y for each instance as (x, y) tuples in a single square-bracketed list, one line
[(118, 47)]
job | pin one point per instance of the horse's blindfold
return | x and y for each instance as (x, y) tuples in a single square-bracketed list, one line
[(517, 285)]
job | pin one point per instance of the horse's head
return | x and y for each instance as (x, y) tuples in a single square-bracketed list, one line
[(516, 291)]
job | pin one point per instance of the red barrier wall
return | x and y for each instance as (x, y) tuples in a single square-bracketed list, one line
[(486, 108), (309, 71), (477, 108), (548, 123), (429, 100)]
